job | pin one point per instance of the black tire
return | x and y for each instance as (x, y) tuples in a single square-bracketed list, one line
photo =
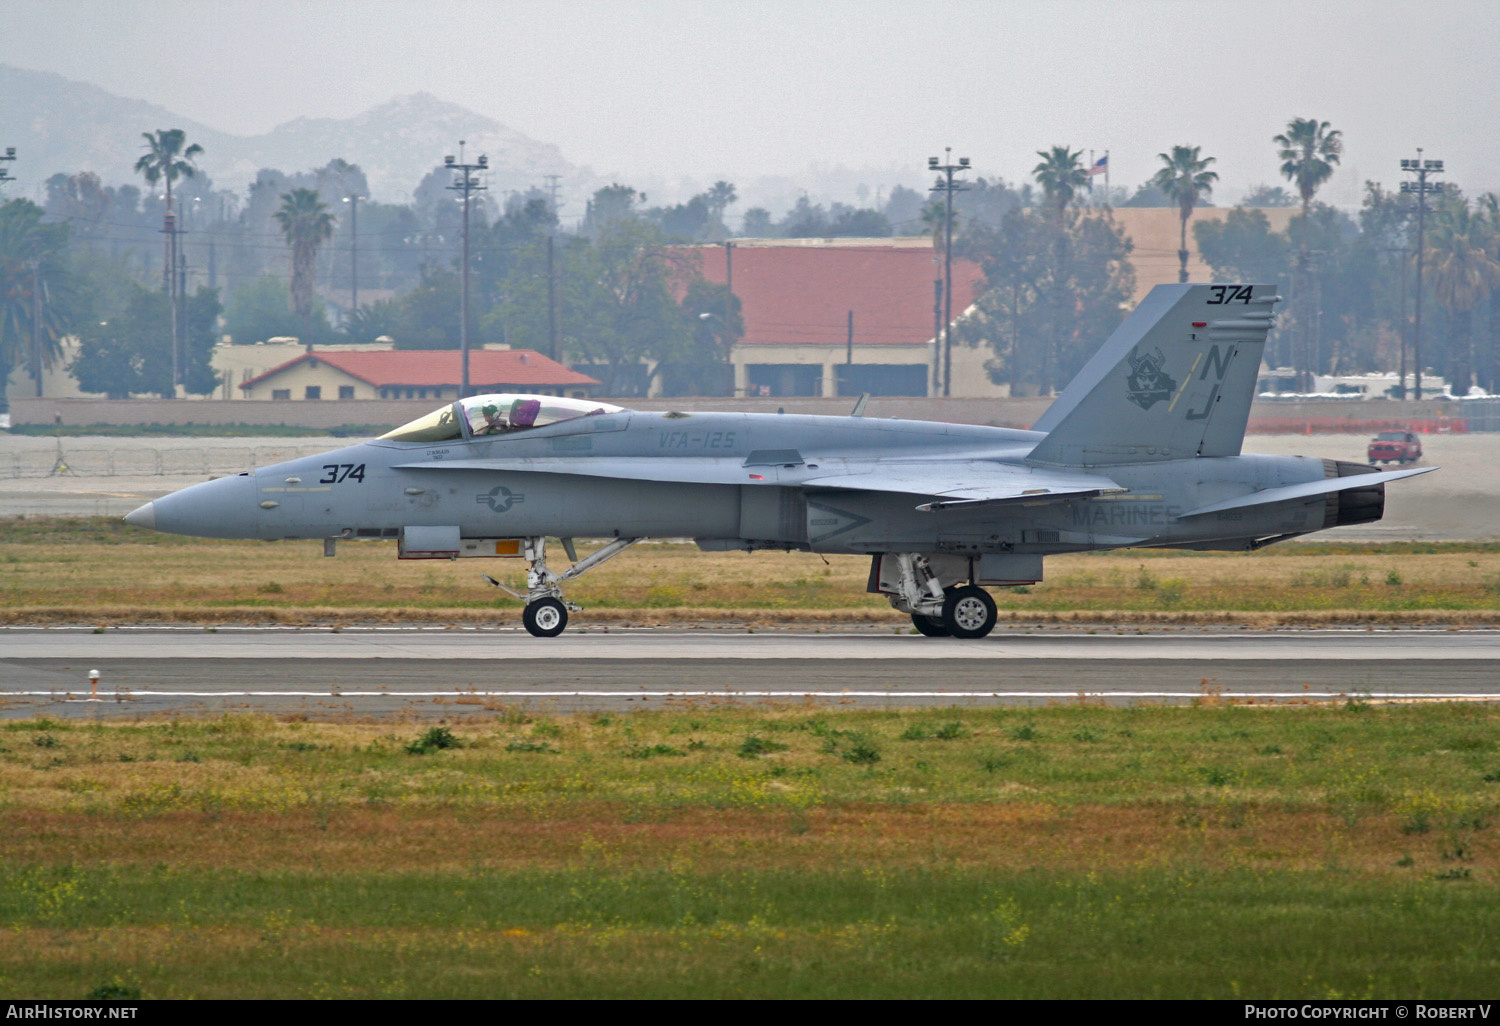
[(931, 626), (969, 612), (545, 618)]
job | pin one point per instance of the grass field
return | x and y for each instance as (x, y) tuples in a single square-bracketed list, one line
[(101, 570), (1302, 851), (1071, 851)]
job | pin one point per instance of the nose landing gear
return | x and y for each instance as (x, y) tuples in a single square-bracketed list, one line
[(546, 613)]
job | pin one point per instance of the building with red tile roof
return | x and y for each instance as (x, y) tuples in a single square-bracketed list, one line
[(416, 374), (797, 297)]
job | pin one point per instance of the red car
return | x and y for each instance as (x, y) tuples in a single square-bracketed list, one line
[(1394, 446)]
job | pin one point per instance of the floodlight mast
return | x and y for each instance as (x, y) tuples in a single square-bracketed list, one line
[(946, 186), (1420, 188), (465, 183)]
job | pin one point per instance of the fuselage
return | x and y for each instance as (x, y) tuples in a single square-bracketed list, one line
[(622, 475)]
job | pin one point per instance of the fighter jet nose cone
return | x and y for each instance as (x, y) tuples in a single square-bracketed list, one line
[(143, 517)]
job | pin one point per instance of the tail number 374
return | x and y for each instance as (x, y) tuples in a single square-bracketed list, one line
[(333, 473), (1230, 294)]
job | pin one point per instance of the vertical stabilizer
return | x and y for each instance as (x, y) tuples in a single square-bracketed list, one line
[(1174, 381)]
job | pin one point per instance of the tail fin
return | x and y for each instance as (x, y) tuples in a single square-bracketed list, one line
[(1174, 381)]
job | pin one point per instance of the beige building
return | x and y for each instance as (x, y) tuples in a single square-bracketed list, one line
[(414, 374), (1155, 233)]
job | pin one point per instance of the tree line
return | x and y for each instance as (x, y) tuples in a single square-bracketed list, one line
[(621, 295)]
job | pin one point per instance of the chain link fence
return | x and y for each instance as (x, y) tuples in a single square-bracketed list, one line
[(1482, 414), (140, 461)]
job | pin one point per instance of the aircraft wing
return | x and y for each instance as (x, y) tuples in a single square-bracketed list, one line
[(969, 483), (951, 484)]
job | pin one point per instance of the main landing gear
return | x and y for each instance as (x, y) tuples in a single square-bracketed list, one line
[(546, 613), (957, 611)]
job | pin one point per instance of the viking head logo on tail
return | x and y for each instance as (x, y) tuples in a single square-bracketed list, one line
[(1147, 383)]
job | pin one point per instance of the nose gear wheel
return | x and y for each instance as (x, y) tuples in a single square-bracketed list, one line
[(545, 618)]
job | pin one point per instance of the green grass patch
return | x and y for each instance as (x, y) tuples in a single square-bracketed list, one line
[(670, 931), (1340, 850)]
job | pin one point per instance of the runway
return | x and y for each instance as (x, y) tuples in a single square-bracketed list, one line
[(450, 672)]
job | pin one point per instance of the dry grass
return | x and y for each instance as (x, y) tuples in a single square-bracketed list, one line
[(97, 571)]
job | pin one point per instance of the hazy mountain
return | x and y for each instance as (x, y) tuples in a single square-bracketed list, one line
[(57, 124)]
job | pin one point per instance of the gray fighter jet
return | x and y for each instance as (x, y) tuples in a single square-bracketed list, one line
[(1141, 449)]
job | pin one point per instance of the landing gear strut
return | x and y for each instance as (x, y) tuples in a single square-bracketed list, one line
[(546, 613), (957, 611)]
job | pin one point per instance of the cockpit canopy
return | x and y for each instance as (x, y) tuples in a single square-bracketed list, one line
[(496, 414)]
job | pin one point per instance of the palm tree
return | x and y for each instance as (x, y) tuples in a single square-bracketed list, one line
[(306, 224), (719, 197), (1060, 175), (934, 214), (166, 160), (1462, 262), (1183, 178), (1488, 372), (38, 295), (1308, 150)]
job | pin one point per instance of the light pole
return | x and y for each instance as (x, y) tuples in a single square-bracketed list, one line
[(353, 200), (946, 186), (466, 182), (1420, 188)]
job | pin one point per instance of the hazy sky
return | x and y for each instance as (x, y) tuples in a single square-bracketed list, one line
[(710, 88)]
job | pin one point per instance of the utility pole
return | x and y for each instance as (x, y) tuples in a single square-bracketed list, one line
[(169, 229), (466, 182), (353, 200), (1420, 188), (1401, 387), (946, 186), (182, 314), (5, 175), (728, 308), (848, 381), (937, 331), (551, 295), (36, 323)]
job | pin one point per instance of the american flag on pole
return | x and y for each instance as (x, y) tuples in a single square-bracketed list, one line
[(1101, 166)]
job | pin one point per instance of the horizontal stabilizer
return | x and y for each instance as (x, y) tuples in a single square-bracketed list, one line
[(1307, 490)]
